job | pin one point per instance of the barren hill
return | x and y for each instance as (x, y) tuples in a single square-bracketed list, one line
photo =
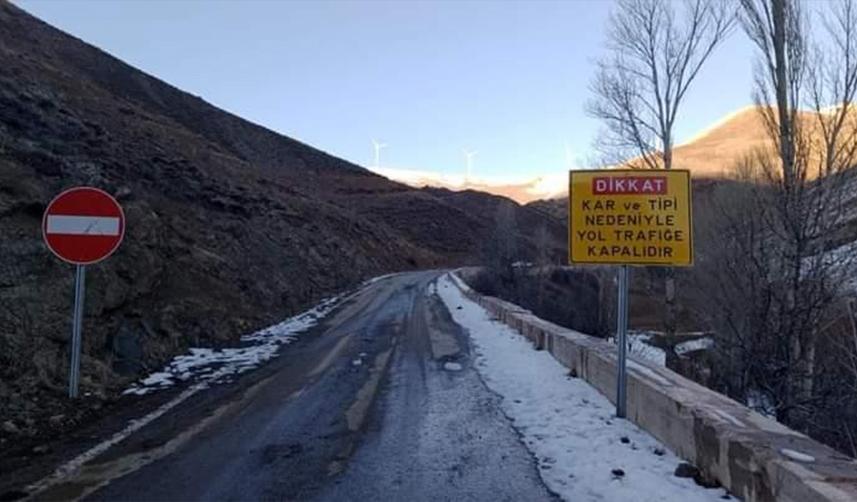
[(231, 226), (719, 150), (713, 153), (716, 151)]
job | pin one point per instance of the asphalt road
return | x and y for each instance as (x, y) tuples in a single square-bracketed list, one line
[(379, 402)]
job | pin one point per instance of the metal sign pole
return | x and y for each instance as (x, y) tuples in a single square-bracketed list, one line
[(76, 335), (622, 334)]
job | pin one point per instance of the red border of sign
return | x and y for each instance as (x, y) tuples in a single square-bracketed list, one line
[(633, 264), (73, 189)]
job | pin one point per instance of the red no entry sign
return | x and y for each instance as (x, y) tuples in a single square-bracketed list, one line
[(83, 225)]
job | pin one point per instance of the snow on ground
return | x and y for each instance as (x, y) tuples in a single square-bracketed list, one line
[(211, 366), (693, 345), (208, 366), (797, 456), (761, 403), (840, 261), (843, 257), (584, 452), (638, 348)]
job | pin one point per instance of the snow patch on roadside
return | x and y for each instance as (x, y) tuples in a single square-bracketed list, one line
[(694, 345), (451, 366), (569, 427), (207, 366), (639, 348), (797, 456), (761, 403)]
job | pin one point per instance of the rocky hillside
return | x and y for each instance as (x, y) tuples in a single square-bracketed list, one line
[(230, 225)]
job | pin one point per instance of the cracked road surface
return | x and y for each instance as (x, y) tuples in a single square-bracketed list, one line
[(380, 401)]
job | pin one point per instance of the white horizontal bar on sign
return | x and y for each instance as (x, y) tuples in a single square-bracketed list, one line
[(82, 225)]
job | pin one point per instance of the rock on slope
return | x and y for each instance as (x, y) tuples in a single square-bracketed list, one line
[(230, 225)]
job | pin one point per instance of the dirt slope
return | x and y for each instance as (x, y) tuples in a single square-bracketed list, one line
[(230, 225)]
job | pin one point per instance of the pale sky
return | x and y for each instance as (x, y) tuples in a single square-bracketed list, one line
[(431, 79)]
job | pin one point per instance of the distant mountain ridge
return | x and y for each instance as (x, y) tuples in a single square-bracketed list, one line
[(712, 153), (541, 187)]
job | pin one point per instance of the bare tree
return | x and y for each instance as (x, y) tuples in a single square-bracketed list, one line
[(735, 280), (807, 177), (775, 259), (500, 252), (543, 263), (655, 54)]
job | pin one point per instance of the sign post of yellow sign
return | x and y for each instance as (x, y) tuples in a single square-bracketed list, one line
[(630, 217)]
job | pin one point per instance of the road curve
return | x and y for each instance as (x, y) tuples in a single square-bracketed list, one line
[(380, 401)]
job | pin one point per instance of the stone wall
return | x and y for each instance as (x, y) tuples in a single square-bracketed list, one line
[(754, 457)]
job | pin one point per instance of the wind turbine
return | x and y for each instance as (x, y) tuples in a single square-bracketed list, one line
[(469, 158), (378, 146)]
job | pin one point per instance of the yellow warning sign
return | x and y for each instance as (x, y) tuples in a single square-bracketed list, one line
[(630, 217)]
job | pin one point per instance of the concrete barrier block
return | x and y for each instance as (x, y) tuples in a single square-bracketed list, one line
[(655, 411), (530, 331), (744, 451)]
